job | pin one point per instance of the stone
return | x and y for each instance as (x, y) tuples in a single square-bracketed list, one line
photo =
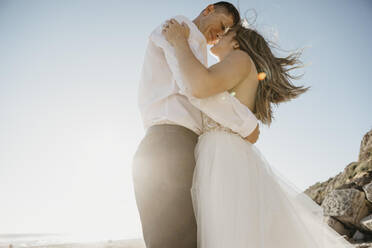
[(368, 191), (337, 226), (358, 236), (346, 205), (365, 152), (366, 223)]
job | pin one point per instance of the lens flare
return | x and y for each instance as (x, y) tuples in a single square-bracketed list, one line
[(261, 76)]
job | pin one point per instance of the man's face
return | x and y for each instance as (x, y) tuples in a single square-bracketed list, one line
[(214, 24)]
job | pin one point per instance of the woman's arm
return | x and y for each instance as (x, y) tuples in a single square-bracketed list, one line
[(205, 82), (222, 107)]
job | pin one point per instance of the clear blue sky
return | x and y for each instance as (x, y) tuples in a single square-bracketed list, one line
[(69, 122)]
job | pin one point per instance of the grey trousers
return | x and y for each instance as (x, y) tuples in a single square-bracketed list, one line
[(163, 167)]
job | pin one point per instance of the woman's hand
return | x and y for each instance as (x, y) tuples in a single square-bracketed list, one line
[(175, 33)]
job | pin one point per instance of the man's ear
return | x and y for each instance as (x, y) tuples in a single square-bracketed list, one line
[(208, 9)]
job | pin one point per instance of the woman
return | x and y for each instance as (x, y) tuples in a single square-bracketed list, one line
[(239, 200)]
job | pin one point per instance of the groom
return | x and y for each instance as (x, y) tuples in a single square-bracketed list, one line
[(164, 161)]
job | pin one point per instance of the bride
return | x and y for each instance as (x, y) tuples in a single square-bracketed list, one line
[(239, 200)]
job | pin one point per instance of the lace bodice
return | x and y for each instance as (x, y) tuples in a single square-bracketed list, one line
[(209, 125)]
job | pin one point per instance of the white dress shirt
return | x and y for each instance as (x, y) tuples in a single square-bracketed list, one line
[(163, 96)]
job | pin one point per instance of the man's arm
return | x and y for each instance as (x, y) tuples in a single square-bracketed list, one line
[(223, 107)]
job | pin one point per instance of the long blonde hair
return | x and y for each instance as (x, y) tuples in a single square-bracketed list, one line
[(277, 86)]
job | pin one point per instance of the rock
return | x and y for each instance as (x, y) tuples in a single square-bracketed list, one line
[(366, 223), (355, 175), (359, 172), (368, 191), (347, 197), (317, 191), (346, 205), (365, 152), (358, 236), (337, 226), (364, 245)]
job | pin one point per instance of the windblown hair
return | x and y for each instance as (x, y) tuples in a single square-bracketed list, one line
[(230, 8), (277, 86)]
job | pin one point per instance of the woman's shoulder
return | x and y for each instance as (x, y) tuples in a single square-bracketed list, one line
[(240, 59), (242, 56)]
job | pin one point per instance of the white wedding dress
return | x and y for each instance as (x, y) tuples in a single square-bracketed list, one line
[(241, 202)]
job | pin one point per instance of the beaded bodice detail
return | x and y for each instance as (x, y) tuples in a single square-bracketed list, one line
[(210, 125)]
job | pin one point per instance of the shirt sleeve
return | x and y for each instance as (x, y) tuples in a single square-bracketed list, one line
[(223, 107)]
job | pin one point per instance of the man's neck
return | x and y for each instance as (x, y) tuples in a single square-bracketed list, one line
[(196, 21)]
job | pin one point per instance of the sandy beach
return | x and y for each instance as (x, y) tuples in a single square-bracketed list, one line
[(63, 241)]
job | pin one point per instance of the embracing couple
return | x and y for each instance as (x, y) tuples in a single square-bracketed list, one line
[(199, 180)]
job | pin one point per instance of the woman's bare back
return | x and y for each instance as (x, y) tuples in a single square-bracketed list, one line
[(245, 91)]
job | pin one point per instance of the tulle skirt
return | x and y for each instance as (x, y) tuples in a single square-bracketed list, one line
[(241, 202)]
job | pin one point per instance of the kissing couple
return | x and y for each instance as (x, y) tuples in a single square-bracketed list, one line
[(199, 180)]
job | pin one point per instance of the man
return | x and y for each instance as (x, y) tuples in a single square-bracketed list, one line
[(164, 162)]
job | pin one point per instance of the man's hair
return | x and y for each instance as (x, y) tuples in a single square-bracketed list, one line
[(230, 8)]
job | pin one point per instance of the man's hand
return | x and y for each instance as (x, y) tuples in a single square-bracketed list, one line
[(252, 138)]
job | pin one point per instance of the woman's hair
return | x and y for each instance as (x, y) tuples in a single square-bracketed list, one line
[(276, 87)]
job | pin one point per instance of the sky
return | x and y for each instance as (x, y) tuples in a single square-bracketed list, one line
[(70, 125)]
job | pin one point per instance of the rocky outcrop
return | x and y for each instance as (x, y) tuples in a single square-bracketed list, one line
[(365, 152), (347, 197)]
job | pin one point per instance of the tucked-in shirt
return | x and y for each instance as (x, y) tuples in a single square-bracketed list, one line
[(165, 98)]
